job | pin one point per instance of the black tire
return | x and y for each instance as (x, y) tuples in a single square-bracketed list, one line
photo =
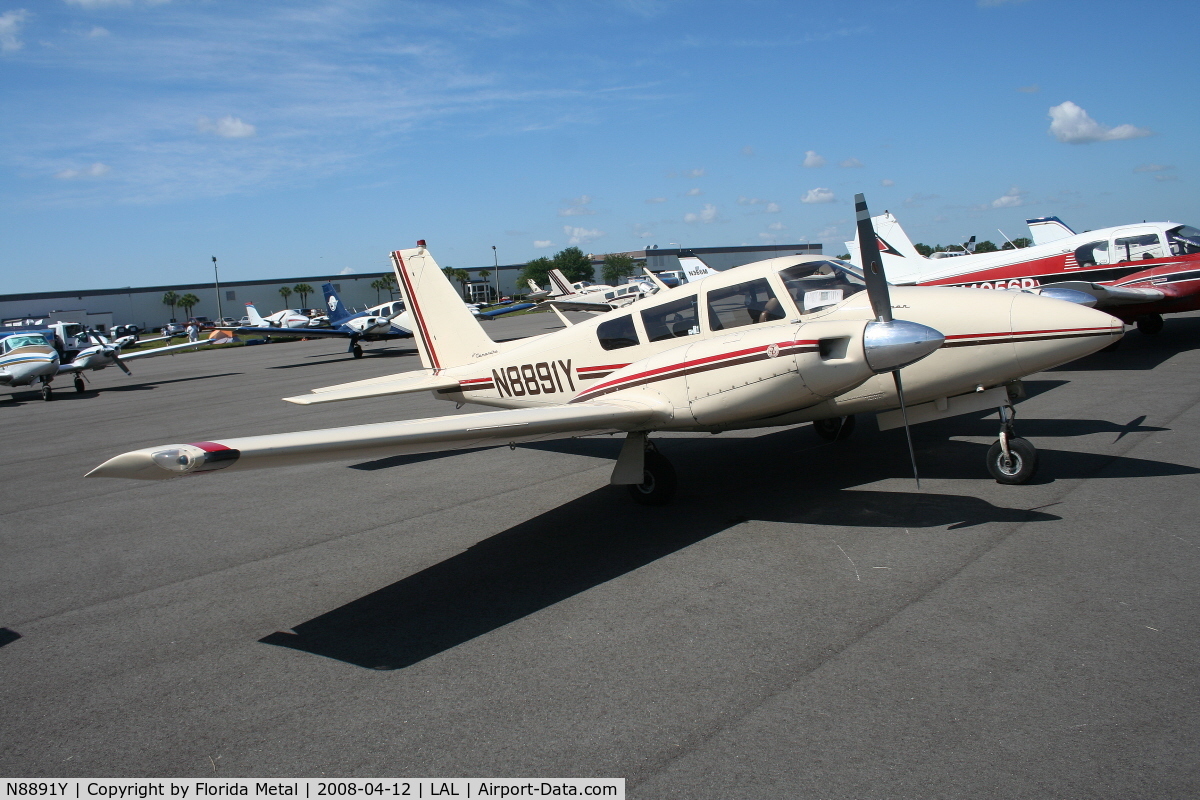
[(1022, 467), (357, 351), (1150, 325), (834, 429), (659, 484), (79, 387), (47, 393)]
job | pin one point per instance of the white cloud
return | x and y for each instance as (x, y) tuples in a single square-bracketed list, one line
[(818, 195), (657, 200), (811, 159), (641, 231), (828, 232), (706, 214), (851, 162), (1034, 89), (228, 127), (581, 235), (1153, 167), (577, 206), (887, 182), (542, 244), (694, 173), (96, 170), (694, 192), (777, 226), (97, 32), (1011, 199), (10, 28), (772, 208), (1166, 177), (1072, 125), (347, 271), (747, 150)]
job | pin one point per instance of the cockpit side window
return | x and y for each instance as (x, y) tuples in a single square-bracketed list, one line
[(671, 320), (744, 304), (23, 340), (617, 333), (819, 284), (1184, 240), (1091, 254), (1138, 248)]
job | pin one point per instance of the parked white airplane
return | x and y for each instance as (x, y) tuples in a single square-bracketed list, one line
[(27, 356), (287, 318), (105, 354), (779, 342), (585, 296)]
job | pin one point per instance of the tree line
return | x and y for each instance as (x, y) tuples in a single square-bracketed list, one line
[(189, 301)]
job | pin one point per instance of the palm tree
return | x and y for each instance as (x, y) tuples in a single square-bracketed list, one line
[(377, 285), (286, 292), (187, 303), (484, 274), (304, 290), (389, 283), (171, 299)]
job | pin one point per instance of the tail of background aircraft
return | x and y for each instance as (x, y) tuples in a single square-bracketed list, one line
[(256, 319), (446, 333), (694, 269), (338, 313), (1048, 229), (559, 285), (901, 261)]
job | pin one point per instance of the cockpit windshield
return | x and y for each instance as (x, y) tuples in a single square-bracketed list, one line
[(819, 284), (23, 340), (1184, 240)]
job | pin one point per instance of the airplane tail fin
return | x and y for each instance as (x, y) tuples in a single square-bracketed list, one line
[(256, 319), (694, 269), (446, 333), (559, 283), (338, 313), (1048, 229), (533, 287), (901, 261)]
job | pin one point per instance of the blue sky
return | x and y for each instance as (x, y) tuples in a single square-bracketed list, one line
[(141, 137)]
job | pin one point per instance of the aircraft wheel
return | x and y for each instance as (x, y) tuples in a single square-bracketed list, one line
[(1019, 469), (658, 486), (834, 429), (1150, 325), (79, 387), (357, 351), (47, 393)]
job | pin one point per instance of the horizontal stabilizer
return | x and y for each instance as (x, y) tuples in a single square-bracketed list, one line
[(1109, 295), (380, 440), (403, 383)]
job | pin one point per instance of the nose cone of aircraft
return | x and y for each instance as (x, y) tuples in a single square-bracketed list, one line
[(1048, 332), (891, 345)]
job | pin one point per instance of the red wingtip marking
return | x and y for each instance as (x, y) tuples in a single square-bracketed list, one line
[(209, 447)]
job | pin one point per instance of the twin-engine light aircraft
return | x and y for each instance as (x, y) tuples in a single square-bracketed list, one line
[(779, 342), (1134, 272), (28, 356), (380, 323), (104, 354)]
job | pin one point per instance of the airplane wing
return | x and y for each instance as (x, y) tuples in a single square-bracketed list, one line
[(506, 310), (162, 351), (579, 305), (454, 432), (1109, 295), (401, 383), (302, 332)]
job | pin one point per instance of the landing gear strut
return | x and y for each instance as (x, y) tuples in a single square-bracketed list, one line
[(47, 392), (658, 480), (1011, 460), (834, 429), (1150, 324)]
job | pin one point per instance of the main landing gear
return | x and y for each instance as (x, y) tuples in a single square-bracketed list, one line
[(646, 474), (834, 429), (47, 392), (1150, 324), (1010, 459), (79, 387), (357, 350)]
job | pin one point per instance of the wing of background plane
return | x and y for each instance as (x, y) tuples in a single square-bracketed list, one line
[(1109, 296), (334, 333), (579, 305), (455, 432), (505, 310)]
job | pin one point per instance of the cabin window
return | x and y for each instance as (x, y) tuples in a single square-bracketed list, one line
[(1138, 248), (617, 333), (23, 340), (744, 304), (1184, 240), (819, 284), (671, 320), (1092, 253)]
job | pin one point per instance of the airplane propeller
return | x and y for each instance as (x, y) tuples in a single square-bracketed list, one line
[(890, 344), (110, 350)]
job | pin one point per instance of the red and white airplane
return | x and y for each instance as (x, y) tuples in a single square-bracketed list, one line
[(1137, 272)]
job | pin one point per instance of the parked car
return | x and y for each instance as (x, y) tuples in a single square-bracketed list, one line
[(205, 323), (174, 329), (227, 322)]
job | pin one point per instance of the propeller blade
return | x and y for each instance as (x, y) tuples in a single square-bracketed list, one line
[(868, 245), (117, 360), (912, 454)]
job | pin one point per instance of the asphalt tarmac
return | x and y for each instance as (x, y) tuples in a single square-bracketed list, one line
[(801, 622)]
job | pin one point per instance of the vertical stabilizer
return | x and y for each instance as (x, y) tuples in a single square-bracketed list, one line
[(256, 320), (559, 284), (694, 269), (338, 313), (901, 261), (1048, 229), (446, 333)]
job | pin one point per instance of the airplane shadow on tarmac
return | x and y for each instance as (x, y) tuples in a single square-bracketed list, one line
[(787, 476), (367, 354), (66, 393), (8, 636)]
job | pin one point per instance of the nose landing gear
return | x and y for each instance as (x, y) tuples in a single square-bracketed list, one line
[(79, 387), (1010, 459)]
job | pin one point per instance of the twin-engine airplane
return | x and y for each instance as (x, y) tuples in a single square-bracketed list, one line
[(1134, 272), (377, 324), (779, 342), (28, 356), (104, 354)]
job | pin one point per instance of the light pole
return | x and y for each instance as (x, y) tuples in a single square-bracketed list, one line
[(217, 285), (496, 271)]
